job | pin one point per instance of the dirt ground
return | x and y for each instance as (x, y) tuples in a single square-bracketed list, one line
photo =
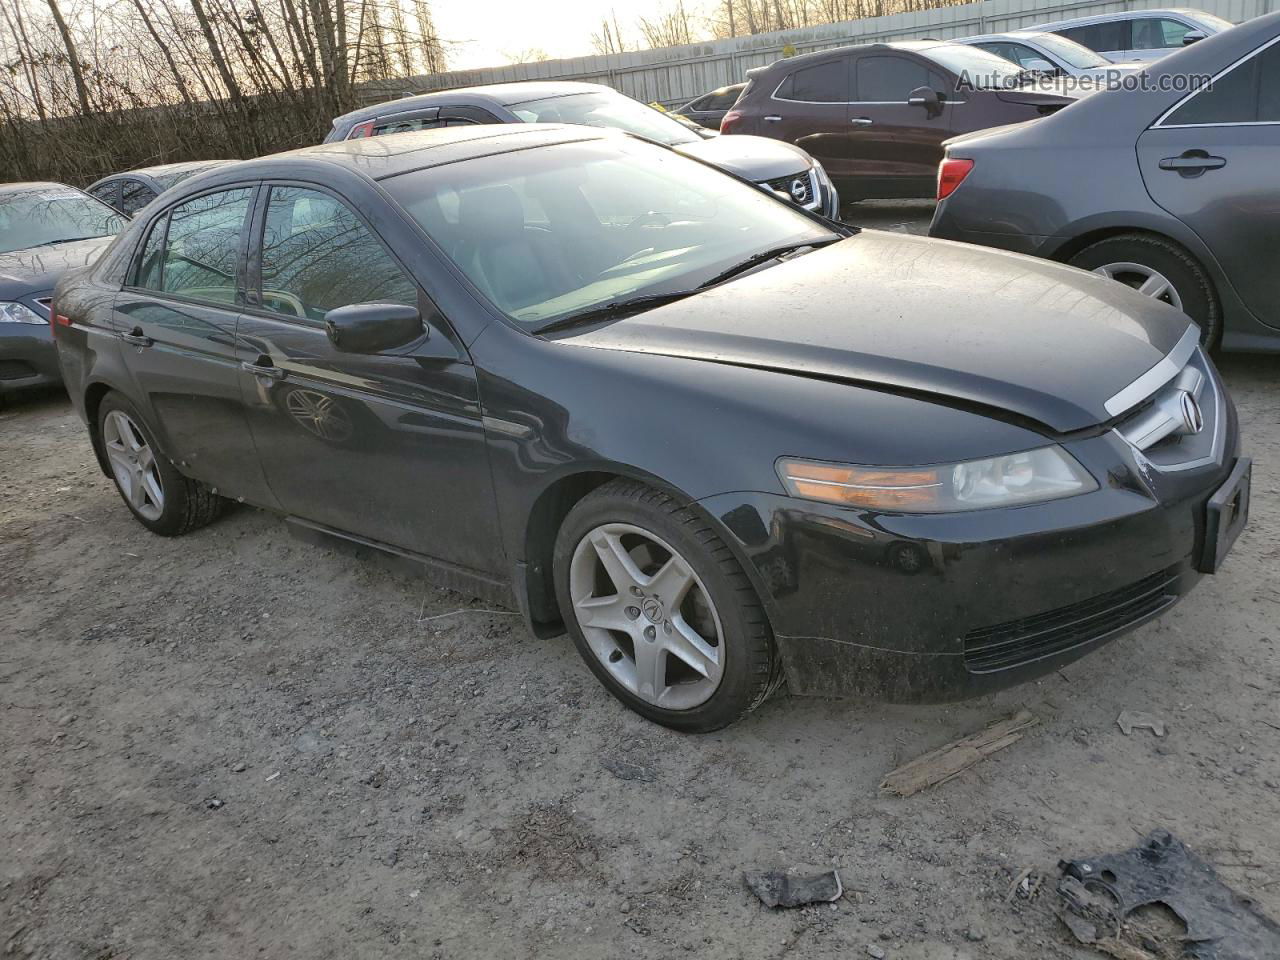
[(237, 744)]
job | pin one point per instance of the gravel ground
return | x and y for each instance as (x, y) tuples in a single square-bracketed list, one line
[(236, 743)]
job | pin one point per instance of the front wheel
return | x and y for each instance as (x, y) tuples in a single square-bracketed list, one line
[(160, 498), (1159, 269), (661, 610)]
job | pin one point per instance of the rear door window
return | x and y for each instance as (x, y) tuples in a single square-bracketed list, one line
[(1157, 33), (888, 79), (822, 83), (134, 196), (195, 251), (318, 255), (1112, 35), (1249, 93)]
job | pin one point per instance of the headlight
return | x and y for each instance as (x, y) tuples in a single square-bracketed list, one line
[(20, 313), (1048, 473)]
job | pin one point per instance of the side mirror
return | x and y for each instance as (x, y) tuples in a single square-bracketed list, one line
[(372, 327), (925, 97), (1191, 36)]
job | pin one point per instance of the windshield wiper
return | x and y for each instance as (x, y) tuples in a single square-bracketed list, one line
[(763, 256), (618, 308)]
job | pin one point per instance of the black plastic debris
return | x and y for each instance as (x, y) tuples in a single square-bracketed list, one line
[(1115, 902), (778, 888)]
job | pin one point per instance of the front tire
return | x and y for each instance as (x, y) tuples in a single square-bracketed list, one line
[(661, 610), (1161, 269), (159, 497)]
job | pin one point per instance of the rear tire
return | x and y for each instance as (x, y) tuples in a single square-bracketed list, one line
[(689, 619), (1138, 258), (159, 497)]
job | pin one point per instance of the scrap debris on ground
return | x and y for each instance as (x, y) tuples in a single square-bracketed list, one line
[(1159, 901), (939, 766), (794, 887), (1131, 720)]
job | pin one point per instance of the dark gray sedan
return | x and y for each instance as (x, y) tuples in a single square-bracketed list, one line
[(1169, 190), (45, 229)]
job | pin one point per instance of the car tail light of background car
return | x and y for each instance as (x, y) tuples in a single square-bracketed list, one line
[(951, 172), (361, 130), (730, 118)]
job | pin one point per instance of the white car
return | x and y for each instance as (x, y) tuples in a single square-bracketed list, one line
[(1050, 54), (1138, 34)]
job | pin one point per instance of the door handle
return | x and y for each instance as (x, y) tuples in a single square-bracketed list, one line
[(862, 121), (260, 369), (1193, 163), (773, 118), (136, 338)]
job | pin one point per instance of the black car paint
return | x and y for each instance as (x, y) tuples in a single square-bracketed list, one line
[(477, 439), (28, 277), (1026, 192)]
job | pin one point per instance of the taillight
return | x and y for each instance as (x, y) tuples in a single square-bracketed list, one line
[(730, 119), (361, 130), (951, 173)]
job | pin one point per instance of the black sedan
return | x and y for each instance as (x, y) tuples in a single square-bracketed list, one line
[(1166, 185), (720, 440), (45, 229)]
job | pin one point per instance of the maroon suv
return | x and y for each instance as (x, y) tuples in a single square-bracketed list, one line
[(876, 115)]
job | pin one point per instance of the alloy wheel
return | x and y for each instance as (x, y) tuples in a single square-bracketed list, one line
[(133, 463), (646, 616), (1148, 282)]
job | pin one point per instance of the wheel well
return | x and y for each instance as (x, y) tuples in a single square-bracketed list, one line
[(92, 401), (545, 518), (1076, 244)]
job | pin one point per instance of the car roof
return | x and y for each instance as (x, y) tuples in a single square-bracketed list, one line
[(34, 185), (1031, 35), (499, 94), (917, 46), (161, 169), (381, 157), (1190, 12)]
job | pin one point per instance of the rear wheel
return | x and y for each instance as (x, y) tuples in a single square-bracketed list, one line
[(661, 610), (1160, 269), (161, 498)]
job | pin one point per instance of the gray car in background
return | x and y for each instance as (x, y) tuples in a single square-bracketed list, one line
[(131, 191), (1174, 193), (1138, 34), (46, 229), (780, 167), (1050, 54)]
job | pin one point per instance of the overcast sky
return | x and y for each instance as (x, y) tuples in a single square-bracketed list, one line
[(485, 31)]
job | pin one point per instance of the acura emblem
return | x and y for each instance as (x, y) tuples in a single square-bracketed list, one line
[(1192, 418)]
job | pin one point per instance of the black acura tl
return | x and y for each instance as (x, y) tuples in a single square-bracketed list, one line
[(723, 442)]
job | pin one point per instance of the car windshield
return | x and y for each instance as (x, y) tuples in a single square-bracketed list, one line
[(1075, 54), (607, 110), (974, 67), (549, 233), (34, 218)]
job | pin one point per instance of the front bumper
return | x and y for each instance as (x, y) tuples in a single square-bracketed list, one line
[(947, 606), (28, 357)]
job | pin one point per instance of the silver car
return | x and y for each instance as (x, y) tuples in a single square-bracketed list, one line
[(781, 168), (1138, 34), (1050, 54)]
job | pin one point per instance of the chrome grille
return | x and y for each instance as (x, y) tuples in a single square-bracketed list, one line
[(1180, 425), (801, 189)]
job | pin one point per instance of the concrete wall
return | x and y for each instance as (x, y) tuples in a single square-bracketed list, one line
[(674, 75)]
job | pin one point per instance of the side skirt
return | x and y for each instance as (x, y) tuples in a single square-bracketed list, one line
[(438, 572)]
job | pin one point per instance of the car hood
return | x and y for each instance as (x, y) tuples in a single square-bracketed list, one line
[(968, 326), (38, 268), (754, 158)]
